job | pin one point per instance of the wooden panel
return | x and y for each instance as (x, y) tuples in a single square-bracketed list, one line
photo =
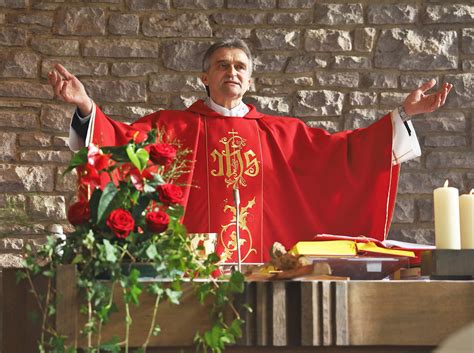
[(278, 307), (311, 324), (249, 334), (328, 313), (447, 263), (67, 303), (402, 312), (261, 313)]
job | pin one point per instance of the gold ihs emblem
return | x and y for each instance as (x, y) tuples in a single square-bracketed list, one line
[(233, 162)]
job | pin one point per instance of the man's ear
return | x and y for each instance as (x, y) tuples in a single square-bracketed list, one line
[(204, 79)]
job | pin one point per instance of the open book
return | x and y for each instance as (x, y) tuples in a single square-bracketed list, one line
[(340, 245)]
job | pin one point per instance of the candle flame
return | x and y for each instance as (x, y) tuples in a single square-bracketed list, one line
[(446, 183), (471, 192)]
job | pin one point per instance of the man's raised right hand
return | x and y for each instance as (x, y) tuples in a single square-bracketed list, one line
[(67, 87)]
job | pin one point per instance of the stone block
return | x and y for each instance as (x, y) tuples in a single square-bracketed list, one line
[(425, 209), (364, 39), (22, 178), (145, 5), (18, 63), (130, 69), (60, 141), (270, 105), (124, 24), (440, 121), (198, 4), (251, 4), (449, 13), (128, 113), (360, 118), (351, 62), (467, 42), (116, 90), (34, 139), (338, 79), (300, 81), (330, 126), (462, 92), (327, 40), (296, 4), (289, 18), (180, 25), (277, 39), (418, 236), (447, 159), (378, 80), (121, 48), (18, 119), (16, 89), (11, 244), (445, 141), (412, 81), (44, 20), (175, 83), (184, 101), (318, 103), (15, 4), (47, 207), (404, 210), (62, 157), (78, 67), (239, 19), (266, 62), (8, 149), (56, 117), (362, 98), (13, 36), (305, 63), (66, 182), (391, 13), (407, 49), (424, 182), (468, 65), (338, 14), (241, 33), (183, 55), (80, 21), (53, 46), (393, 99)]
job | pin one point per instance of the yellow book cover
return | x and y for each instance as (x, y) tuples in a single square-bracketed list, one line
[(331, 247), (372, 247)]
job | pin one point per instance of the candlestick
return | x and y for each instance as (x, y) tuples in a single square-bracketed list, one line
[(466, 208), (446, 213)]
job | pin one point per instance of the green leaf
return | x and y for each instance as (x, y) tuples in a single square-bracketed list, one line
[(110, 251), (94, 204), (77, 259), (111, 346), (110, 191), (132, 156), (176, 211), (156, 330), (140, 206), (143, 157), (79, 158), (173, 296), (151, 251)]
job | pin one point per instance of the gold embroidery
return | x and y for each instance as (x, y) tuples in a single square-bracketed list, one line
[(233, 162), (229, 241)]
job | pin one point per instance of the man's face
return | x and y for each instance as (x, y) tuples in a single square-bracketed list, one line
[(228, 77)]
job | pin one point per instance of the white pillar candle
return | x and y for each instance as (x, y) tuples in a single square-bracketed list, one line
[(446, 213), (466, 211)]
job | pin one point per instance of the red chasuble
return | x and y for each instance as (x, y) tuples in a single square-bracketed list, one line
[(294, 181)]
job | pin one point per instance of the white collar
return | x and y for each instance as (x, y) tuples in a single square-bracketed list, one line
[(239, 110)]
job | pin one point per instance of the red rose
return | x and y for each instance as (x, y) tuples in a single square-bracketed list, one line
[(170, 193), (162, 153), (120, 222), (79, 213), (157, 222)]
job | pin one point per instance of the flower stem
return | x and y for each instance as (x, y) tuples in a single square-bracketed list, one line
[(152, 325)]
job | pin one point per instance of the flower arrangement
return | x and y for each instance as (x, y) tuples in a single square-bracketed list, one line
[(128, 211)]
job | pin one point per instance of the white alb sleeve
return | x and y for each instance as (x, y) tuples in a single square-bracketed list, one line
[(405, 143), (75, 141)]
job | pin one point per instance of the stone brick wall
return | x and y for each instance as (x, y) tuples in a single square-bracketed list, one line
[(335, 65)]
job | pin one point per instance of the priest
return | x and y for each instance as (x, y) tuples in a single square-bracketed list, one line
[(294, 181)]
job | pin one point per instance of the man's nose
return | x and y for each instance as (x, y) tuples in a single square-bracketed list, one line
[(231, 71)]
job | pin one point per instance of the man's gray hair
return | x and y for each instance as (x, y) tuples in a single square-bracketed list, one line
[(233, 43)]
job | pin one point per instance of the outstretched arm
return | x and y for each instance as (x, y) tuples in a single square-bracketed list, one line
[(67, 87), (418, 102)]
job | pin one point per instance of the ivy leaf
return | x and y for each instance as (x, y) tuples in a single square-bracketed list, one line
[(151, 251), (142, 156), (77, 259), (110, 251), (175, 211), (111, 199), (111, 346), (156, 330), (78, 159), (173, 296)]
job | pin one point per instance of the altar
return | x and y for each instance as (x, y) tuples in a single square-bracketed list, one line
[(288, 316)]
